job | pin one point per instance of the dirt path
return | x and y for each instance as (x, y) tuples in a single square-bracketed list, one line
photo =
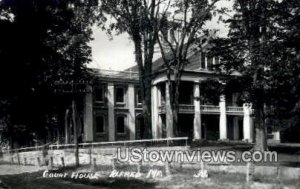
[(18, 169)]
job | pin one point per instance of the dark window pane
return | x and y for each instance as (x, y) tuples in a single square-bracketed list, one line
[(119, 95), (209, 62), (100, 124), (203, 60), (163, 94), (121, 124), (186, 93), (217, 60), (99, 95), (139, 96)]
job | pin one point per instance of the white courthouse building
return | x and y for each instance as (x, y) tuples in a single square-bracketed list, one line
[(113, 111)]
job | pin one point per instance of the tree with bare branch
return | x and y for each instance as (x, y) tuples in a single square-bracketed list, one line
[(137, 18), (180, 30)]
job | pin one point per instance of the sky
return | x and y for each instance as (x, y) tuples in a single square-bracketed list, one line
[(118, 53)]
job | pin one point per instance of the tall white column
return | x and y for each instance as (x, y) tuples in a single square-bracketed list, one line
[(247, 123), (159, 127), (131, 107), (88, 116), (111, 111), (223, 119), (154, 110), (169, 114), (159, 120), (197, 112), (236, 129), (276, 135)]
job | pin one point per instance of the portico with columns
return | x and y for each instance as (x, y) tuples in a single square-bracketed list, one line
[(113, 111), (234, 122)]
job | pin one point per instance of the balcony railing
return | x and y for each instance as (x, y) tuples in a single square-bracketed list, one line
[(205, 109), (183, 108), (234, 110), (186, 108), (210, 109)]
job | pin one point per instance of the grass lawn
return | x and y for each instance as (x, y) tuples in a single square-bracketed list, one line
[(180, 178)]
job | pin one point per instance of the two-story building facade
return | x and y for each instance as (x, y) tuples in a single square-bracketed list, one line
[(113, 111)]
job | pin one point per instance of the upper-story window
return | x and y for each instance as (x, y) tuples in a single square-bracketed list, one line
[(99, 94), (138, 96), (209, 62), (120, 95), (217, 60), (203, 61)]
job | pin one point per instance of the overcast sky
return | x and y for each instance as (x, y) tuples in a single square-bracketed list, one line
[(118, 53)]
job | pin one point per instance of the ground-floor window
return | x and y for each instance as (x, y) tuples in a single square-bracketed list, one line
[(100, 124), (121, 124)]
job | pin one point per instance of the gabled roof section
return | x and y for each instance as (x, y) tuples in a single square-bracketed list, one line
[(113, 75), (194, 58)]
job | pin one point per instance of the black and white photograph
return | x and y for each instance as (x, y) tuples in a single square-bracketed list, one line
[(151, 94)]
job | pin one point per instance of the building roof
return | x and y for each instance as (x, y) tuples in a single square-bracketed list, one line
[(113, 75), (193, 59), (158, 66)]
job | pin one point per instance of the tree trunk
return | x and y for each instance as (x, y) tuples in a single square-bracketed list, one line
[(67, 134), (145, 82), (75, 133), (260, 129), (175, 103), (168, 106), (147, 109), (11, 136)]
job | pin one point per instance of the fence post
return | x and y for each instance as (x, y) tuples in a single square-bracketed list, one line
[(94, 163), (113, 164), (90, 156), (168, 168), (25, 161), (50, 165), (62, 162), (249, 174), (139, 165), (18, 158), (38, 161), (278, 172)]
